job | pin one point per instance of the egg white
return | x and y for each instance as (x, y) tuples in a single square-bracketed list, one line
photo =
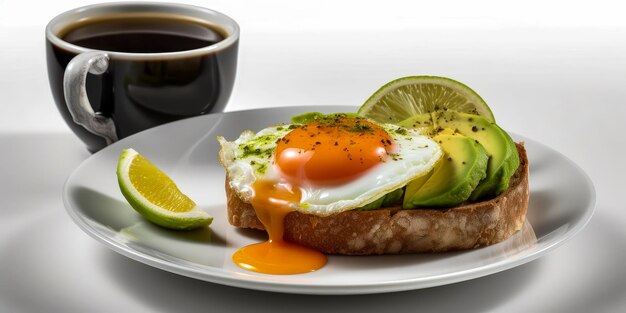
[(416, 155)]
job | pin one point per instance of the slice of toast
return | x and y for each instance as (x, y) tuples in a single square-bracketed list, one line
[(394, 231)]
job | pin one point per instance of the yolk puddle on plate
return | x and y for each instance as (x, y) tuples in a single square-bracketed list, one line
[(271, 203)]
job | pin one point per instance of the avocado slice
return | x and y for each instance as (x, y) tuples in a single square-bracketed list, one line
[(510, 166), (393, 198), (453, 179), (503, 157), (375, 205), (418, 121)]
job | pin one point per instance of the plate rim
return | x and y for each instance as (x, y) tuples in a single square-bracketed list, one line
[(213, 275)]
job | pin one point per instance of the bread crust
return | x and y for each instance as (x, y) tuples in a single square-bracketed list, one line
[(395, 231)]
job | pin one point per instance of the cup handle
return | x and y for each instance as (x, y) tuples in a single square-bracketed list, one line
[(75, 93)]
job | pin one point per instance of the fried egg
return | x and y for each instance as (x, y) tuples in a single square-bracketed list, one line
[(334, 165), (325, 167)]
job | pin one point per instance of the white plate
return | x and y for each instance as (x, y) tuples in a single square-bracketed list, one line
[(561, 203)]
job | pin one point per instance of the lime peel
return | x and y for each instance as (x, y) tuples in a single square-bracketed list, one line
[(190, 219)]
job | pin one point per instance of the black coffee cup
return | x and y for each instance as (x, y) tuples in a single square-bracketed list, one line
[(117, 69)]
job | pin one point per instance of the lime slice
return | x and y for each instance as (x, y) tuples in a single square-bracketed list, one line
[(155, 196), (412, 95)]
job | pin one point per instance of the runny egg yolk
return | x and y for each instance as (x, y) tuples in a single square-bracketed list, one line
[(322, 153), (332, 152)]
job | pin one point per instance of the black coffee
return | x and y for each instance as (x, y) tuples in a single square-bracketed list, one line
[(142, 34), (140, 92)]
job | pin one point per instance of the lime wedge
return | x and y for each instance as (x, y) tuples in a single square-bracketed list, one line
[(155, 196), (412, 95)]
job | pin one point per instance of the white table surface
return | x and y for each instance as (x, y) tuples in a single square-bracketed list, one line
[(554, 72)]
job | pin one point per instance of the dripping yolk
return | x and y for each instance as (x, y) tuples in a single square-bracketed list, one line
[(271, 203), (332, 152)]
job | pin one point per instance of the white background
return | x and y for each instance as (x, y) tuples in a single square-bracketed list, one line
[(552, 71)]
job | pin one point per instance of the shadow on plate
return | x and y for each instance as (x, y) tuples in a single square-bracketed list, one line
[(543, 215), (122, 218), (104, 209), (144, 231), (255, 234)]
